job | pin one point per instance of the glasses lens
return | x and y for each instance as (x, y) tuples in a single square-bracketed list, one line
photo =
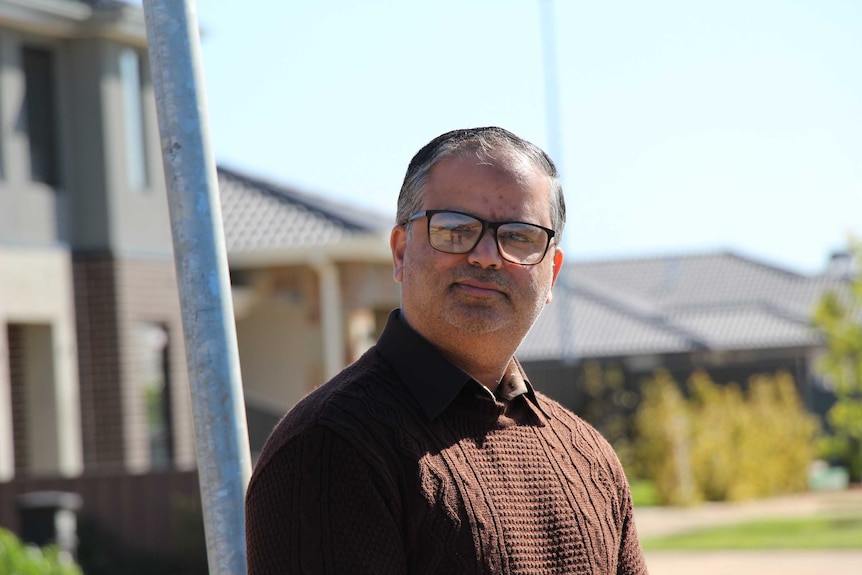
[(453, 233), (522, 243)]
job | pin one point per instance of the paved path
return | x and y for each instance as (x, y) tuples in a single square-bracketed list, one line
[(655, 521), (755, 562), (662, 521)]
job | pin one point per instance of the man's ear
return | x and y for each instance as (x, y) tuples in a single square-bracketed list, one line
[(398, 245), (558, 263)]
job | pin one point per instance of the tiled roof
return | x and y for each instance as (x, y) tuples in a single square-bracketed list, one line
[(261, 215), (716, 301)]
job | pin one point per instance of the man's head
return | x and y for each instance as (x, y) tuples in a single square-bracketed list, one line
[(481, 142), (476, 246)]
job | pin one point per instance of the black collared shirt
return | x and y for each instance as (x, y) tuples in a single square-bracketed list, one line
[(434, 381)]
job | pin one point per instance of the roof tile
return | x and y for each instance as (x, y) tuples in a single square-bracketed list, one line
[(261, 215)]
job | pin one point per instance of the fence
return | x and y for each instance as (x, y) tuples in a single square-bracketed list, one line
[(155, 513)]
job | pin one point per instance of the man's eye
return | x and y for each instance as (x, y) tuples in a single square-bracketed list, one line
[(517, 237)]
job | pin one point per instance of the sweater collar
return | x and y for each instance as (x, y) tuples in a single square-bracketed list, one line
[(434, 381)]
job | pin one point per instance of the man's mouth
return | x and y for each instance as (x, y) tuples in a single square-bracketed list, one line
[(480, 288)]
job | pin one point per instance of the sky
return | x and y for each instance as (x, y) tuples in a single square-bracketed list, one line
[(680, 127)]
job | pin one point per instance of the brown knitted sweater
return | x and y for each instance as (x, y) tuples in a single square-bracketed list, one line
[(359, 479)]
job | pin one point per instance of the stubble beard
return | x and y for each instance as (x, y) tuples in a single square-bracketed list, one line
[(483, 316), (474, 319)]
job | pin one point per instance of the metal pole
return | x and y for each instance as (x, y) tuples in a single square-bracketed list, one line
[(221, 435), (564, 294), (552, 88)]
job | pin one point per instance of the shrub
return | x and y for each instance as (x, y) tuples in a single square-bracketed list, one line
[(723, 443), (20, 559), (664, 441), (609, 404)]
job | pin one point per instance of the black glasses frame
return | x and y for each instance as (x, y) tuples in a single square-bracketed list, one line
[(494, 226)]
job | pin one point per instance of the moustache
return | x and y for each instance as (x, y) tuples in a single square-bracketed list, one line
[(485, 276)]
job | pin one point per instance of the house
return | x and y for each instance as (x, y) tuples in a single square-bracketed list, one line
[(93, 386), (312, 287), (721, 312), (89, 301)]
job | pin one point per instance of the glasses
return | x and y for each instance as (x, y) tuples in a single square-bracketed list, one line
[(459, 233)]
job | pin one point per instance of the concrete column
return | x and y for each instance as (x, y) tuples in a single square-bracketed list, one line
[(7, 445), (70, 441), (332, 318), (43, 428)]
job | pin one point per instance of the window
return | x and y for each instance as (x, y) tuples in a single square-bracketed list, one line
[(133, 111), (152, 340), (40, 107)]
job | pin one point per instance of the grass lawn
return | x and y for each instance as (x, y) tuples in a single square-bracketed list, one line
[(808, 533), (644, 493)]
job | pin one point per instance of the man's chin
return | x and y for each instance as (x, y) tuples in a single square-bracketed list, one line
[(476, 319)]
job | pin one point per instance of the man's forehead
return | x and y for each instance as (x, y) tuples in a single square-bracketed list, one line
[(509, 162), (459, 178)]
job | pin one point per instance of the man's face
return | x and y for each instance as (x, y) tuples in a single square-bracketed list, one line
[(445, 296)]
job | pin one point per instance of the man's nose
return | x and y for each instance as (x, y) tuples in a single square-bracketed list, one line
[(486, 254)]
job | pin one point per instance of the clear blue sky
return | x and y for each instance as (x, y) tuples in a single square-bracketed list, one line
[(685, 126)]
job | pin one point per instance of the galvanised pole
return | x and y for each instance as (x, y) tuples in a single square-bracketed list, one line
[(564, 295), (221, 435), (552, 87)]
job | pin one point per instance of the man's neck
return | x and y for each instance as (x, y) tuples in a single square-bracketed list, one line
[(485, 356), (486, 367)]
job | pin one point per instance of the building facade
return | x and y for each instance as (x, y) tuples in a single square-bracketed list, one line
[(95, 377), (94, 391)]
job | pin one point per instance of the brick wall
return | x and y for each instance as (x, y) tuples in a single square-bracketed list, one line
[(112, 296), (147, 293), (98, 361), (17, 388)]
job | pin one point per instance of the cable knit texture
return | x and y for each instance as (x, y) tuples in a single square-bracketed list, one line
[(357, 479)]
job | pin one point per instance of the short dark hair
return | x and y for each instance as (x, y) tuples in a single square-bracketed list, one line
[(485, 143)]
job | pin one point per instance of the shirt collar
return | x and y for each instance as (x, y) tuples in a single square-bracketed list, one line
[(434, 381)]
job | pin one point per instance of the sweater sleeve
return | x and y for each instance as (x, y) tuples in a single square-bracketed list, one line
[(631, 559), (316, 506)]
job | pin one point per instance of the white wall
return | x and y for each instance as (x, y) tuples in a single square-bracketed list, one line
[(280, 351)]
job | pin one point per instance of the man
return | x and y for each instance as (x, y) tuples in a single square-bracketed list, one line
[(432, 453)]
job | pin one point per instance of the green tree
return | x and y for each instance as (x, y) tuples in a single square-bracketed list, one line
[(839, 317), (20, 559)]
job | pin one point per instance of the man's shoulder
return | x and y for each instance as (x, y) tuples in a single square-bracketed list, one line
[(351, 400)]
